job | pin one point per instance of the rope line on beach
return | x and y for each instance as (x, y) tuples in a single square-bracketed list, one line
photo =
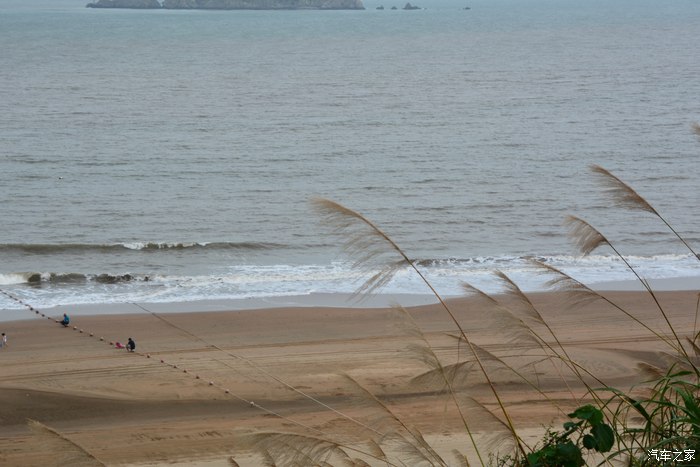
[(212, 383), (324, 436), (265, 372), (172, 365)]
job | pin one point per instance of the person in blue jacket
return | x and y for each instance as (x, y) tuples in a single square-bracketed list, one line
[(66, 320)]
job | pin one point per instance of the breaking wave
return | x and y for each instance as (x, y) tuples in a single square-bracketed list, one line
[(273, 280), (38, 278)]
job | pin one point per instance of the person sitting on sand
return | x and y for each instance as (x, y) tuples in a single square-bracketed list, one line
[(131, 345), (66, 320), (118, 345)]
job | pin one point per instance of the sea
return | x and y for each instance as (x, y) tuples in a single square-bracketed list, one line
[(167, 157)]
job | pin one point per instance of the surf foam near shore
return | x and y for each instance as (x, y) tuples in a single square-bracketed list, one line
[(258, 286)]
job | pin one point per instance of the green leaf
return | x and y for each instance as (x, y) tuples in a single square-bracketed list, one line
[(570, 425), (589, 442), (679, 374), (587, 412), (559, 455), (604, 437), (691, 405), (569, 455), (638, 407), (535, 459)]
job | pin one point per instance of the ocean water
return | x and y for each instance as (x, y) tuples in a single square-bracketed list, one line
[(170, 156)]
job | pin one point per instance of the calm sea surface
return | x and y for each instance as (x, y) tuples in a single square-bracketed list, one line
[(181, 148)]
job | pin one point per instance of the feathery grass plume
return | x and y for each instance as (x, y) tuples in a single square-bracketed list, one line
[(293, 448), (476, 292), (370, 243), (628, 198), (440, 377), (266, 373), (425, 353), (289, 448), (682, 361), (68, 452), (371, 249), (532, 314), (398, 425), (355, 462), (501, 317), (497, 364), (514, 329), (512, 290), (694, 346), (418, 436), (499, 438), (267, 460), (488, 358), (621, 192), (586, 237), (376, 450), (579, 294), (407, 452), (461, 459), (652, 372)]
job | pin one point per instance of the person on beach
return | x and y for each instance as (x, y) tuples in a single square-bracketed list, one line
[(3, 341), (131, 345), (66, 320)]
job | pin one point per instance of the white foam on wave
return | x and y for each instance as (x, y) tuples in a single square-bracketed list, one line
[(159, 245), (14, 278), (260, 281)]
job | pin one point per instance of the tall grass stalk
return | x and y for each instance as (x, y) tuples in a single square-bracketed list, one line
[(627, 197), (669, 413), (372, 243), (588, 239), (66, 451)]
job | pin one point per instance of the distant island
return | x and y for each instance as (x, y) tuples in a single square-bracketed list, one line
[(408, 6), (231, 4)]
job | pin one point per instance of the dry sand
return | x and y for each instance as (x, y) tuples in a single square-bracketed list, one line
[(156, 406)]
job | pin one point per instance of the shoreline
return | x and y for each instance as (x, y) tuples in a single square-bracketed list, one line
[(333, 300)]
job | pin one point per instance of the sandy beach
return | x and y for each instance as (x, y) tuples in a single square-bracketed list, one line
[(198, 381), (217, 185)]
